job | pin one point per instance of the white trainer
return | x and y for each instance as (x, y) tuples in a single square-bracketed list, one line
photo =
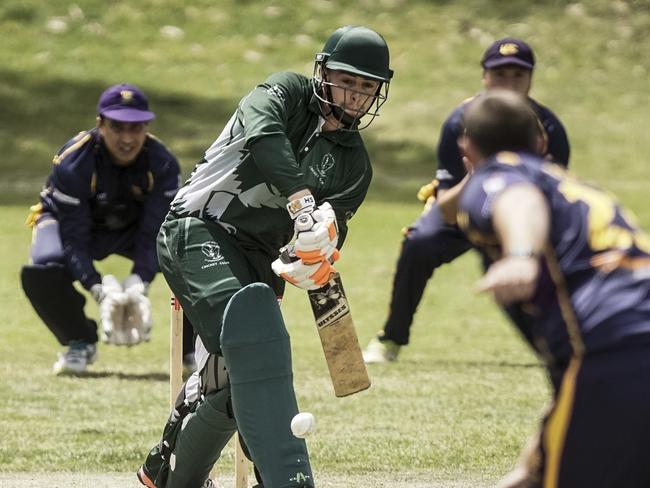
[(380, 351), (76, 359)]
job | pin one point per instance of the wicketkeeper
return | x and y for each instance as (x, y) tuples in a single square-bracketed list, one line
[(291, 149), (108, 193)]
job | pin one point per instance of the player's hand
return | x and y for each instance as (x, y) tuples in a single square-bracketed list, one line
[(108, 285), (111, 306), (305, 276), (317, 235), (519, 478), (134, 284), (427, 192), (137, 323), (511, 279)]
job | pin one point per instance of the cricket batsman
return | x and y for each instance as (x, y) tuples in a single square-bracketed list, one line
[(291, 149)]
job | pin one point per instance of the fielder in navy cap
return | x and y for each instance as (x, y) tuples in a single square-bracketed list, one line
[(508, 51), (107, 194), (124, 103), (507, 65)]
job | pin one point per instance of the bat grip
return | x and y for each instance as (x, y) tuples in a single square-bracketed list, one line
[(304, 222), (287, 254)]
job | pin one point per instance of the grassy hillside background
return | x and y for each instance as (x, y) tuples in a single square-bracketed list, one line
[(196, 59), (464, 395)]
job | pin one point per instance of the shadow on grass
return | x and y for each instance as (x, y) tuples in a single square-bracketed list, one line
[(474, 364), (159, 377), (39, 115)]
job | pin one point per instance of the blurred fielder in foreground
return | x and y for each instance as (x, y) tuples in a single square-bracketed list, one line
[(108, 193), (573, 271), (434, 239), (291, 153)]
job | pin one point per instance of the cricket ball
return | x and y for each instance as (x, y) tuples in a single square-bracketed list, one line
[(303, 424)]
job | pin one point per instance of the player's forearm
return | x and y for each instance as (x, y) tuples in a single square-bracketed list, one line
[(274, 158), (521, 220), (448, 201)]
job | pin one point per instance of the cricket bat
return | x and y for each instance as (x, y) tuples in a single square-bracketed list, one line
[(339, 338)]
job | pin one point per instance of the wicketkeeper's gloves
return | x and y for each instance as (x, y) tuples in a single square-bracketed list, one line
[(111, 300), (138, 308), (124, 309)]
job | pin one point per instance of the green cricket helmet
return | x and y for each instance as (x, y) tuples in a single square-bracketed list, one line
[(359, 51)]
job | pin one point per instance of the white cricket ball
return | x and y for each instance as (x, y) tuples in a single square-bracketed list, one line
[(303, 424)]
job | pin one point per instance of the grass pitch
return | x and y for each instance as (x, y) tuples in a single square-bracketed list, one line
[(456, 406)]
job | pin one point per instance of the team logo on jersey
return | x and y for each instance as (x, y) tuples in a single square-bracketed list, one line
[(276, 92), (326, 164), (213, 255), (494, 184), (508, 49)]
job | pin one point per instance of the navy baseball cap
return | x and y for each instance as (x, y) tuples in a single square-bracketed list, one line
[(124, 103), (508, 51)]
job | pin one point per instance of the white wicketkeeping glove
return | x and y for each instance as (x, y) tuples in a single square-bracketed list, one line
[(305, 276), (317, 235), (111, 307), (137, 312)]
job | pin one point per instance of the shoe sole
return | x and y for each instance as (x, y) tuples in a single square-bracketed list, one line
[(144, 479), (63, 371)]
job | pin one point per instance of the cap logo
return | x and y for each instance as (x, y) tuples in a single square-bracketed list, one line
[(508, 49), (127, 96)]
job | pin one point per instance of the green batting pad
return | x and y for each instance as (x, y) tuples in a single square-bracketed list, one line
[(257, 352), (200, 442)]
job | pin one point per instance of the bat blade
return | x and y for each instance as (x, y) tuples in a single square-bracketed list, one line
[(339, 338)]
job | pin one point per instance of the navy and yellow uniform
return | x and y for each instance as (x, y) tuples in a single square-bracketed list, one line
[(89, 209), (430, 242), (589, 320)]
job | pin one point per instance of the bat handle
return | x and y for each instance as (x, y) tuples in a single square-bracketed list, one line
[(304, 222), (287, 254)]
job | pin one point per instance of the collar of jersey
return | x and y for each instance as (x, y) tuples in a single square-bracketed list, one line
[(342, 137)]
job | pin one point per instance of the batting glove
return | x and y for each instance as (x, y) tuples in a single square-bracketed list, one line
[(315, 229), (302, 275)]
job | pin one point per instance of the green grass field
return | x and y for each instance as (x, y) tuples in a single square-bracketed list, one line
[(458, 405)]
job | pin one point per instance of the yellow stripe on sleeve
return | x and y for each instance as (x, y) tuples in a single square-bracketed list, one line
[(59, 157)]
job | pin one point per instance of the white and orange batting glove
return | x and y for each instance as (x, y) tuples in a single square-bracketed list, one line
[(315, 229), (305, 276), (318, 241)]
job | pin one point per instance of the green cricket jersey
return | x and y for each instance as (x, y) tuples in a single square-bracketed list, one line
[(270, 148)]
